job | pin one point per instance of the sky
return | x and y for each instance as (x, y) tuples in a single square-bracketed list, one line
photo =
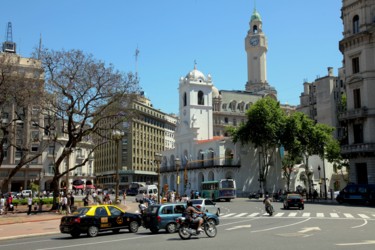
[(303, 37)]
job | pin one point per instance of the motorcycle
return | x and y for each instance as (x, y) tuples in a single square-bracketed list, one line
[(269, 209), (189, 228)]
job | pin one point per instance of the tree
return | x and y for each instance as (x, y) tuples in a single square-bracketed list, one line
[(21, 85), (85, 98), (264, 127)]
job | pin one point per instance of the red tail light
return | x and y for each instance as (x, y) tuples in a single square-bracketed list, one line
[(77, 220), (199, 206), (158, 218)]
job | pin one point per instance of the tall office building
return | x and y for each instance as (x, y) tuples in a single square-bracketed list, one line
[(148, 132)]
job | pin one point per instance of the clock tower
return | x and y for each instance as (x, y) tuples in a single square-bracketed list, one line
[(256, 49)]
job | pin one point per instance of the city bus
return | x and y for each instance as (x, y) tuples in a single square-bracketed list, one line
[(224, 189)]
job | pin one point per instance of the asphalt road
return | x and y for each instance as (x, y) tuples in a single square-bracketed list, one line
[(243, 225)]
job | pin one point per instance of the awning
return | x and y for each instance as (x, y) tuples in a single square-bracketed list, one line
[(78, 182), (79, 187), (90, 187)]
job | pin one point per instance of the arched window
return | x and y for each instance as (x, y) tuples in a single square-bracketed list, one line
[(355, 24), (200, 98), (255, 29), (185, 99)]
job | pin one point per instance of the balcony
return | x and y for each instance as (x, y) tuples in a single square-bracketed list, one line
[(356, 113), (363, 148)]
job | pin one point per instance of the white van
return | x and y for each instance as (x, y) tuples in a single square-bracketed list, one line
[(26, 193), (146, 192)]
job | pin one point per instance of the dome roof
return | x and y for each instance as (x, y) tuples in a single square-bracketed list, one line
[(256, 16), (215, 92), (195, 74)]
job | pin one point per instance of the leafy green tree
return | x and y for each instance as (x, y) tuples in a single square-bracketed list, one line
[(264, 127)]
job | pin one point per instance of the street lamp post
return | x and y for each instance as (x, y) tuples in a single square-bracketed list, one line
[(177, 161), (320, 182), (117, 136), (158, 158), (325, 181)]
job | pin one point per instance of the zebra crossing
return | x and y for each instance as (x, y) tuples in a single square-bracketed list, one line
[(291, 214)]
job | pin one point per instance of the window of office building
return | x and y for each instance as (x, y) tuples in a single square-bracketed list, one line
[(357, 98), (355, 65), (358, 133), (355, 24)]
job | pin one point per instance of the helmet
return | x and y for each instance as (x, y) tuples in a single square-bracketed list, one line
[(267, 196), (189, 203)]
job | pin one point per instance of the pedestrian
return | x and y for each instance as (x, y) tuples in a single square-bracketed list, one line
[(64, 202), (29, 204), (68, 203), (9, 204), (86, 200), (2, 204), (71, 202), (124, 197)]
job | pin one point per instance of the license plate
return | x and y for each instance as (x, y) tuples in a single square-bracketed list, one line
[(66, 229)]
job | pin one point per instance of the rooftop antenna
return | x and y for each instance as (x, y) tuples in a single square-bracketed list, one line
[(9, 46), (136, 62)]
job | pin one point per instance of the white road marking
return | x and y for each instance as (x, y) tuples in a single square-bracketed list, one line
[(253, 215), (363, 216), (334, 215), (365, 223), (308, 229), (239, 215), (273, 228), (320, 215), (306, 215), (238, 227), (348, 216), (279, 214), (366, 242), (227, 215), (292, 215)]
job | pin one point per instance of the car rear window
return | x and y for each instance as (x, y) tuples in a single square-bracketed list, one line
[(152, 209), (82, 210), (294, 197), (195, 202)]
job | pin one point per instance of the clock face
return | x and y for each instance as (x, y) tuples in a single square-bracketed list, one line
[(254, 41)]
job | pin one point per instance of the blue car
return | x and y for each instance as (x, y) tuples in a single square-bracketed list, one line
[(163, 216)]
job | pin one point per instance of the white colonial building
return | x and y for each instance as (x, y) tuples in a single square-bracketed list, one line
[(203, 151)]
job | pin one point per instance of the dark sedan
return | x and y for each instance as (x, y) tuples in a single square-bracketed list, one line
[(97, 218), (294, 200)]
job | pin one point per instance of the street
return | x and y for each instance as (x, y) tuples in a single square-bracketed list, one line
[(243, 225)]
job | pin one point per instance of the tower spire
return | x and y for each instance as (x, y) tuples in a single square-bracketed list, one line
[(136, 62)]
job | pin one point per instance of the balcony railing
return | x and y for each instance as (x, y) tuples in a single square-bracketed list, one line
[(358, 148), (357, 113)]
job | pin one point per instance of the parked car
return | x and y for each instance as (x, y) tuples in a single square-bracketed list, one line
[(163, 216), (206, 205), (357, 193), (97, 218), (294, 200)]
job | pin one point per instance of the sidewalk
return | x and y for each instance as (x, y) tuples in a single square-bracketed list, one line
[(20, 214)]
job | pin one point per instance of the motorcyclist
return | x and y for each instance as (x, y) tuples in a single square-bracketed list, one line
[(267, 201), (191, 213)]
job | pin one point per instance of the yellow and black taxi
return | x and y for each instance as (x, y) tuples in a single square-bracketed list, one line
[(97, 218)]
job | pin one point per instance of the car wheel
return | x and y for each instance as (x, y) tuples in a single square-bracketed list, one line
[(75, 234), (212, 221), (171, 228), (92, 231), (133, 227), (154, 230), (116, 231)]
